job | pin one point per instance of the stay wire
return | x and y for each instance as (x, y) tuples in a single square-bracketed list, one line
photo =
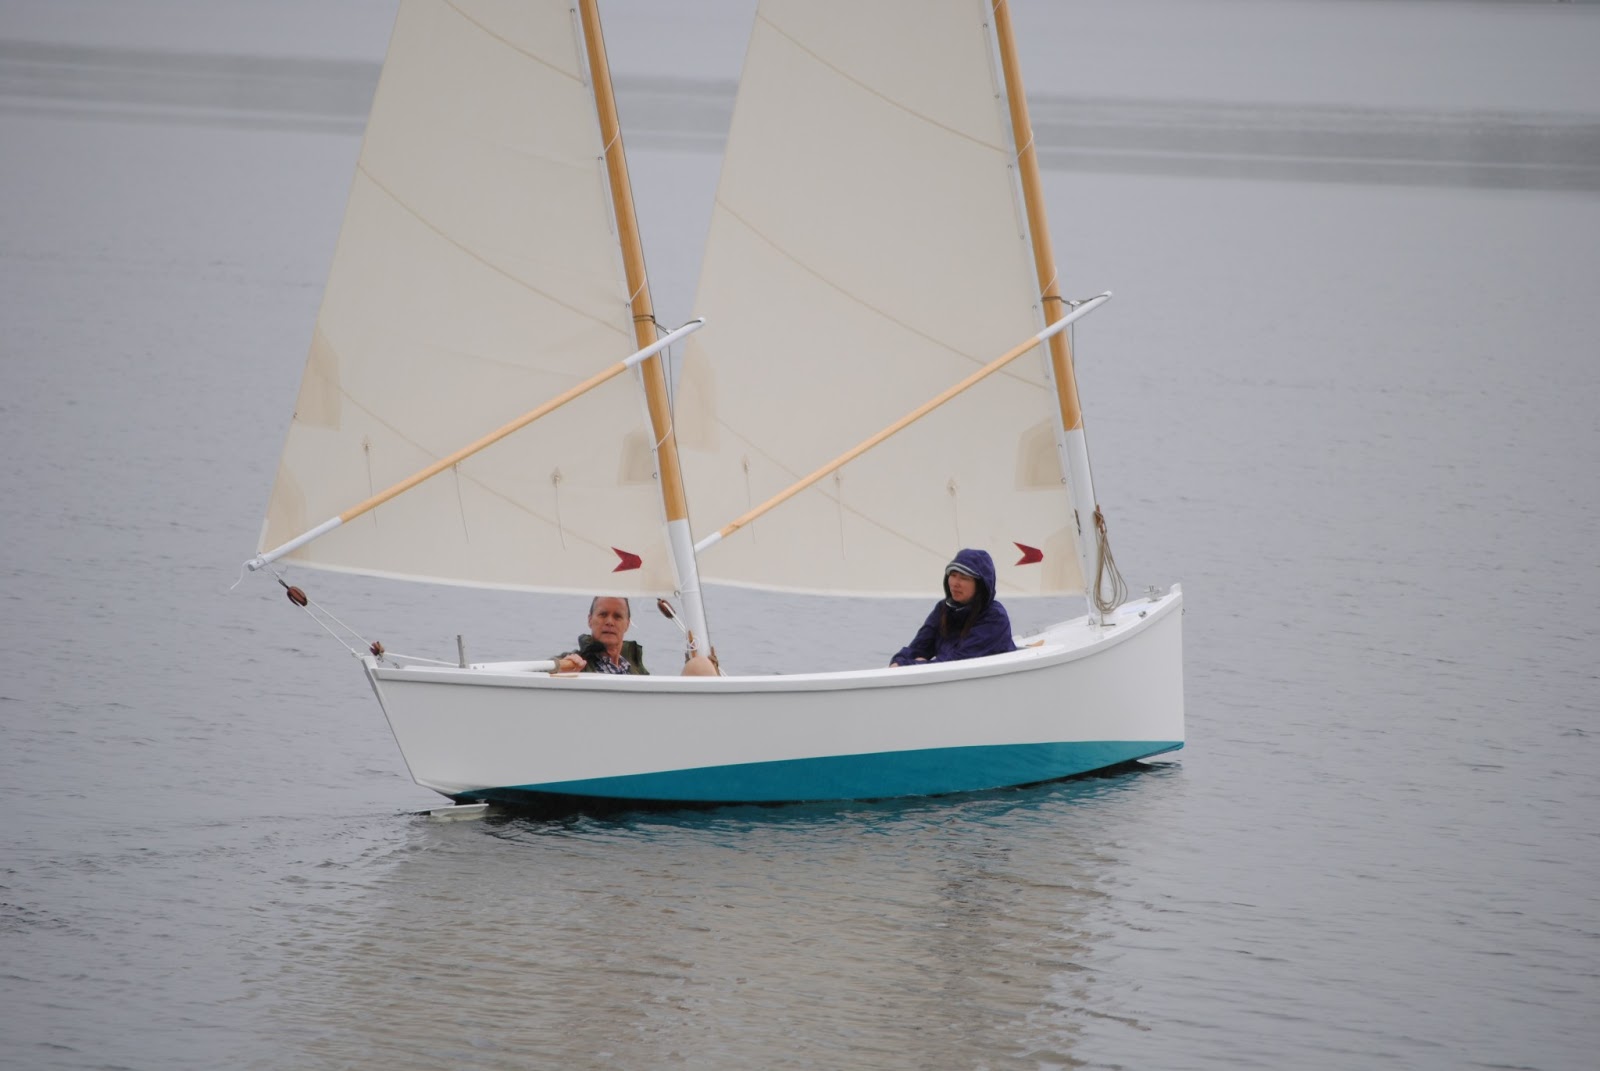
[(306, 603)]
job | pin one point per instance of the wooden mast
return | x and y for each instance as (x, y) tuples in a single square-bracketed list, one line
[(644, 327), (1070, 443)]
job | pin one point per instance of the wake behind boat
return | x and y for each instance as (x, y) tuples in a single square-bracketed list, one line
[(885, 375)]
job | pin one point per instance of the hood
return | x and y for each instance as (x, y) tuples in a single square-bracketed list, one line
[(981, 566)]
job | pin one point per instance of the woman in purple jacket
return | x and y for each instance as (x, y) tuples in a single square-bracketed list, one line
[(968, 623)]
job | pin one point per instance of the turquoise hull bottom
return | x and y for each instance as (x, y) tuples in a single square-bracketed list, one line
[(886, 775)]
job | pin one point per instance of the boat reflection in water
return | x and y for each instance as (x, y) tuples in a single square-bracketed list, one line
[(954, 933)]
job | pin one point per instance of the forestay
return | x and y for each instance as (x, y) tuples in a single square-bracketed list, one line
[(477, 274), (868, 249)]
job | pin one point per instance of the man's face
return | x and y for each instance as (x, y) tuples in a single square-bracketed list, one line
[(608, 622)]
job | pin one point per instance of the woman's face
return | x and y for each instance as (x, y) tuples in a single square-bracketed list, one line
[(962, 587)]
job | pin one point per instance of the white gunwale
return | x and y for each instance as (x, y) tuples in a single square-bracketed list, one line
[(1064, 642)]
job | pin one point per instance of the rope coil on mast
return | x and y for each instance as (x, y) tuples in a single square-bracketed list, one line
[(1107, 575)]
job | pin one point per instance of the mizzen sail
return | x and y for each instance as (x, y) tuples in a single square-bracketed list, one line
[(868, 249), (477, 275)]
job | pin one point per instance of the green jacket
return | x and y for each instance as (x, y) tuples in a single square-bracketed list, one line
[(630, 650)]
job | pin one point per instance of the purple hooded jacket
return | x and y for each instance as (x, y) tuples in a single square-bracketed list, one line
[(952, 632)]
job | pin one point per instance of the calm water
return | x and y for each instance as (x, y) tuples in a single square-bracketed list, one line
[(1346, 396)]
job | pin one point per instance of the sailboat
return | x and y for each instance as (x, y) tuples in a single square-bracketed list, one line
[(884, 376)]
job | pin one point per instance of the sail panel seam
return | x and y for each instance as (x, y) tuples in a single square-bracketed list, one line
[(523, 283), (895, 104), (513, 46)]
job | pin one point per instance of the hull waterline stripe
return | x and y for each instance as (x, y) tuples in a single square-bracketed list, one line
[(934, 771)]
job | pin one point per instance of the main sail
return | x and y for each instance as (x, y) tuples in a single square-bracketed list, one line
[(869, 249), (477, 275)]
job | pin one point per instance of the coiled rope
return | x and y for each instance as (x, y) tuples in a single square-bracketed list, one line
[(1110, 590)]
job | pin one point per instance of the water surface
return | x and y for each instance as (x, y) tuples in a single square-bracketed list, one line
[(1345, 396)]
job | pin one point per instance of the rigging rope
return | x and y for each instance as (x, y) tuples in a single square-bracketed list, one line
[(313, 610), (1107, 575), (316, 612)]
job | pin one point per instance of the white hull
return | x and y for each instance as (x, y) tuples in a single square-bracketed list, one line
[(1079, 700)]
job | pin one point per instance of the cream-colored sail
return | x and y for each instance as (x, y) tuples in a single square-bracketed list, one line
[(868, 249), (477, 275)]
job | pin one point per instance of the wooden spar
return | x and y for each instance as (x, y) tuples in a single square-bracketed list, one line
[(1071, 445), (644, 327), (467, 451), (1044, 260), (1053, 331), (654, 370)]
